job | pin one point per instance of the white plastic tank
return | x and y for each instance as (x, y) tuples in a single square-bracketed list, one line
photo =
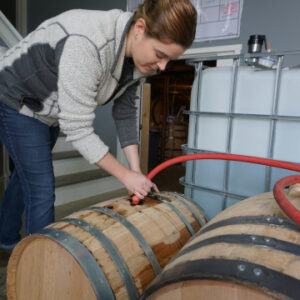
[(249, 135)]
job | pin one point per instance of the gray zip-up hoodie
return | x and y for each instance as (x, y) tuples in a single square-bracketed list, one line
[(70, 64)]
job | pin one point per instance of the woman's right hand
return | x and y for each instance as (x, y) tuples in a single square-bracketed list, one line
[(138, 183), (134, 181)]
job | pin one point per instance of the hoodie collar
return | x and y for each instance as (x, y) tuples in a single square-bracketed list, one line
[(123, 24)]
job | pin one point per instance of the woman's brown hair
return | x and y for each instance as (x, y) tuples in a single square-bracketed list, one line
[(169, 20)]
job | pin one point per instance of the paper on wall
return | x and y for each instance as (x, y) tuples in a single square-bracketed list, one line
[(217, 19)]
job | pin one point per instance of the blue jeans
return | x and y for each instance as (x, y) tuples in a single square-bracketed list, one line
[(31, 188)]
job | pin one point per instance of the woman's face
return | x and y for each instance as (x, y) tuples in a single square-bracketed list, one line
[(150, 54)]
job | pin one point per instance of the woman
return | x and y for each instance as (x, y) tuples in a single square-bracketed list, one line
[(56, 76)]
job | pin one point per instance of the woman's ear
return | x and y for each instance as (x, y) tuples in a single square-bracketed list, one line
[(139, 26)]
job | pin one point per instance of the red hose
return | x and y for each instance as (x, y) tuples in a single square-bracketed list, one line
[(288, 208), (234, 157)]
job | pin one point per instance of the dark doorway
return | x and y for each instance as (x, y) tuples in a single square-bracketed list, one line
[(170, 97)]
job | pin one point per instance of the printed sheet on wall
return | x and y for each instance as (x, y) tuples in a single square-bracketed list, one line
[(217, 19)]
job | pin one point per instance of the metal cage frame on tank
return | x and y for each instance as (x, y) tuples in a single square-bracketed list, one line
[(222, 120)]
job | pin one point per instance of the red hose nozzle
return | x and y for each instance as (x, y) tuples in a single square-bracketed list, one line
[(135, 200)]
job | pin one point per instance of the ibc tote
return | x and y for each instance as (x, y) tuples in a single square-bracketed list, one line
[(240, 110)]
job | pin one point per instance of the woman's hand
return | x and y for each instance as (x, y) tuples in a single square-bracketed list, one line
[(138, 184), (134, 181)]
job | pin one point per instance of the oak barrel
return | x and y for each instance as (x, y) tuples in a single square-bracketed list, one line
[(109, 251), (249, 251)]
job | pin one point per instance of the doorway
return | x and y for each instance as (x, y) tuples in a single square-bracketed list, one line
[(170, 96), (168, 128)]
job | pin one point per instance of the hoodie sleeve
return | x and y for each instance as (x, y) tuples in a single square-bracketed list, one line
[(79, 77), (125, 115)]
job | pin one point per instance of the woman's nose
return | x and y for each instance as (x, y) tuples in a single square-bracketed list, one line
[(162, 64)]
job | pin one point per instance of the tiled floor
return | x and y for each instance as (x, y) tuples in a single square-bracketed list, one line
[(167, 180)]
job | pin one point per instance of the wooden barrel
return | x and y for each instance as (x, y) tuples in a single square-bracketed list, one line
[(249, 251), (109, 251)]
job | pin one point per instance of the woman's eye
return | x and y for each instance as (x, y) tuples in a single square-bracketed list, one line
[(159, 56)]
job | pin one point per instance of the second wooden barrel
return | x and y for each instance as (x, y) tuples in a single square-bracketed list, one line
[(109, 251), (249, 251)]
